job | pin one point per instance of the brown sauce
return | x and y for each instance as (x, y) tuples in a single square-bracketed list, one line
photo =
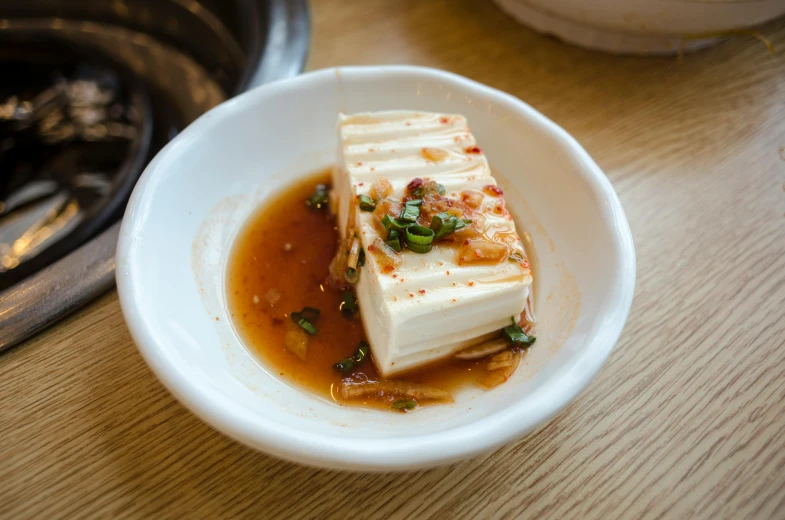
[(268, 280)]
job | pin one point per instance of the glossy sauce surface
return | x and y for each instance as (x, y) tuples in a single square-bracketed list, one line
[(262, 266)]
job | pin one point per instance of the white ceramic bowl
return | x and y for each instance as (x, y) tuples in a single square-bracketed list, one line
[(641, 26), (198, 192)]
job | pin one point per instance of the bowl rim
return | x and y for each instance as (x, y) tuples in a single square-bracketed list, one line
[(374, 454)]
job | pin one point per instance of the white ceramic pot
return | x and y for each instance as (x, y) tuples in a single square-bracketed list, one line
[(641, 26)]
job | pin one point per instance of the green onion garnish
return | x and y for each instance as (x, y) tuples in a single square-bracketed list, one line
[(419, 238), (348, 364), (319, 199), (405, 404), (515, 256), (394, 223), (344, 365), (361, 258), (441, 189), (515, 335), (308, 326), (394, 240), (444, 223), (395, 244), (352, 275), (411, 210), (349, 304), (305, 319), (367, 203)]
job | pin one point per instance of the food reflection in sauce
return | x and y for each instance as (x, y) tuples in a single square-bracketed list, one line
[(279, 266)]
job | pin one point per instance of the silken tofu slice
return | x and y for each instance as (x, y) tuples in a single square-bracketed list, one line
[(433, 304)]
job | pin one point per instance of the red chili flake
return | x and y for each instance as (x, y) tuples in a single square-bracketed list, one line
[(373, 168), (471, 284), (395, 298), (277, 321), (453, 284), (448, 273), (216, 318), (454, 300), (421, 291), (444, 120), (281, 373), (477, 253), (361, 184), (395, 276), (490, 189), (472, 149), (408, 123), (411, 295), (371, 150), (525, 264), (360, 163), (402, 280), (416, 183)]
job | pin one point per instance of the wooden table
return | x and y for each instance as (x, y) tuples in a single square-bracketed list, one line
[(686, 419)]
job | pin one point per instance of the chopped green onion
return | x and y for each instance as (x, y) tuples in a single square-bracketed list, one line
[(349, 303), (305, 317), (419, 238), (419, 235), (362, 352), (308, 326), (367, 203), (445, 223), (405, 404), (344, 365), (319, 198), (394, 223), (515, 256), (361, 258), (348, 364), (515, 335), (411, 210), (352, 275), (394, 240), (441, 189), (395, 244)]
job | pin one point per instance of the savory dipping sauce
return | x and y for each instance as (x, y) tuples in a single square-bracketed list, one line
[(279, 265)]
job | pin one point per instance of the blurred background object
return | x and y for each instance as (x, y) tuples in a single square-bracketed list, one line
[(642, 26), (91, 92)]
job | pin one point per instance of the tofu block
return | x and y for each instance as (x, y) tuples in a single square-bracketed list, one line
[(435, 303)]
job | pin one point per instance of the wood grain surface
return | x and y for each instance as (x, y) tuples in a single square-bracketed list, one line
[(687, 419)]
